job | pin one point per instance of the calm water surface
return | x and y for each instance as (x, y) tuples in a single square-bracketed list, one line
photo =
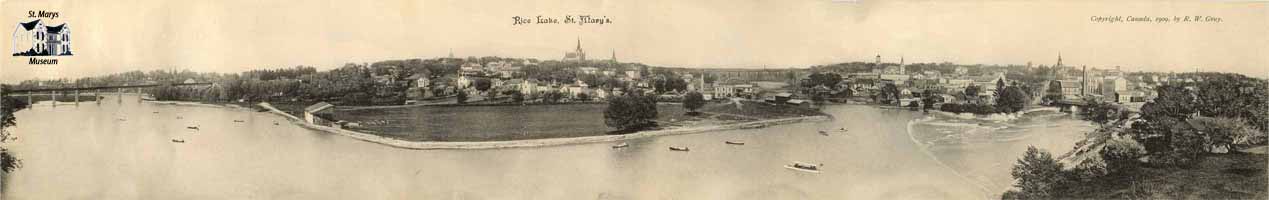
[(114, 151)]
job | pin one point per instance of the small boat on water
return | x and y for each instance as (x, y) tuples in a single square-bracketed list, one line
[(156, 112), (679, 149), (825, 133), (622, 145), (179, 117), (843, 130), (192, 127), (734, 142), (239, 121), (804, 167), (275, 123), (178, 141)]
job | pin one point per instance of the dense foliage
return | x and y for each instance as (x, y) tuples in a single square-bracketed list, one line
[(693, 101), (8, 106), (1039, 176), (631, 112)]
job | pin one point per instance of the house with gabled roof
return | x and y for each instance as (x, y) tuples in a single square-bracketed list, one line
[(35, 38)]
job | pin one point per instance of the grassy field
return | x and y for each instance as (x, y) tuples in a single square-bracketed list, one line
[(514, 122), (495, 123), (1217, 176)]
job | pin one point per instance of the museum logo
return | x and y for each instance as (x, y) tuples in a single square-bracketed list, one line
[(41, 38)]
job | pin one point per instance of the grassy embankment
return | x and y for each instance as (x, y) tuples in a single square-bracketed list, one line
[(516, 122), (1216, 176), (1235, 175)]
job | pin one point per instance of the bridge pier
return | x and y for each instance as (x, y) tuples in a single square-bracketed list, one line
[(54, 98), (97, 97), (28, 100), (120, 93), (76, 97)]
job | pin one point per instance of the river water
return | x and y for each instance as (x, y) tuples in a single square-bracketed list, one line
[(125, 151)]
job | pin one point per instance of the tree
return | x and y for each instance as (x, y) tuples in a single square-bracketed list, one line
[(1234, 96), (1038, 176), (1121, 155), (890, 93), (483, 84), (1173, 101), (1012, 99), (8, 106), (931, 97), (971, 92), (693, 101), (583, 96), (631, 112), (462, 97), (826, 79), (1225, 132), (552, 97), (1102, 113)]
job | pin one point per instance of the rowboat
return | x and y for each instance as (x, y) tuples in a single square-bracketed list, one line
[(178, 141), (192, 127), (679, 149), (239, 121), (734, 142), (804, 167), (622, 145), (825, 133)]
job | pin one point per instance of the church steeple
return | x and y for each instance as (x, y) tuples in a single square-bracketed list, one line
[(901, 70), (614, 55), (1059, 64)]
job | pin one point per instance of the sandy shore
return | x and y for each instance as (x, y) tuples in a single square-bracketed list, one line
[(535, 142)]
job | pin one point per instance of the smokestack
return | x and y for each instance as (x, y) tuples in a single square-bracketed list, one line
[(1083, 79)]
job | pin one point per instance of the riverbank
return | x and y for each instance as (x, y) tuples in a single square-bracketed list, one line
[(535, 142), (955, 141)]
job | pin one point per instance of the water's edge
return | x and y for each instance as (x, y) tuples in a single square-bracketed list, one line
[(425, 145)]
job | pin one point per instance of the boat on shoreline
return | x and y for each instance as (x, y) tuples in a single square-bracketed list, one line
[(679, 149), (804, 167), (734, 142), (622, 145)]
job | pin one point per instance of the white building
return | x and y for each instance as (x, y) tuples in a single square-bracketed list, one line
[(34, 38), (463, 82)]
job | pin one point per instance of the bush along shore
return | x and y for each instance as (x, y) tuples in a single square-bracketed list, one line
[(536, 142)]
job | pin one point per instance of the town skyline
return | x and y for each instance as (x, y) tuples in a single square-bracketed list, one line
[(230, 37)]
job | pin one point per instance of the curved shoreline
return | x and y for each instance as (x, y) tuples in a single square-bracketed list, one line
[(425, 145), (924, 149)]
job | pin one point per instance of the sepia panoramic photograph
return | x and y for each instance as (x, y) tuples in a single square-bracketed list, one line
[(654, 99)]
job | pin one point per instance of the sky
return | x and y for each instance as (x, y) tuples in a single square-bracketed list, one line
[(239, 35)]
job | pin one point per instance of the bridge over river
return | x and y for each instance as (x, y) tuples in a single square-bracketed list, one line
[(95, 91)]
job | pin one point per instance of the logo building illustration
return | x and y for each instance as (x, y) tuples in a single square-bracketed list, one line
[(37, 39)]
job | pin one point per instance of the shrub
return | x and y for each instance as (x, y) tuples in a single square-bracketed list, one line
[(1121, 155), (1038, 176)]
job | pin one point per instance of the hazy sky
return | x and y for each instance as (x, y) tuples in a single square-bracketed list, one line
[(232, 36)]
